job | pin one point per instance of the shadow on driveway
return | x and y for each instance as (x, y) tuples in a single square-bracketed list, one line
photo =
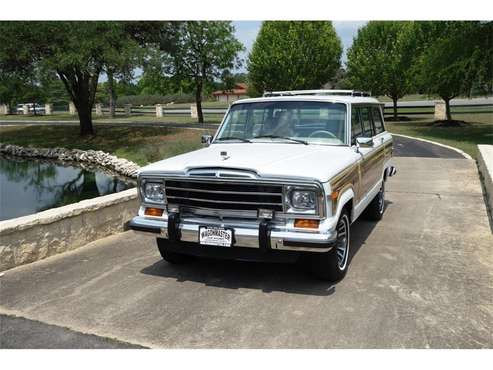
[(268, 277)]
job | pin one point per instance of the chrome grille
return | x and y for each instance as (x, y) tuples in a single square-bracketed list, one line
[(224, 195)]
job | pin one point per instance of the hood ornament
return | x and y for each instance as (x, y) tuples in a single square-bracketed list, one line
[(224, 155)]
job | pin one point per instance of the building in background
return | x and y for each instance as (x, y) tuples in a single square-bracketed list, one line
[(228, 96)]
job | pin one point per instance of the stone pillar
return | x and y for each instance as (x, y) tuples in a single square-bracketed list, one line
[(48, 109), (128, 109), (71, 109), (99, 109), (159, 110), (440, 111), (4, 109), (25, 109), (193, 111)]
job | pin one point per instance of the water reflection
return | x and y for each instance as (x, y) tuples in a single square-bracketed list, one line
[(30, 186)]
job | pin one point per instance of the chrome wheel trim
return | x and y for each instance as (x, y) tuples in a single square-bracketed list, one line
[(342, 243), (381, 199)]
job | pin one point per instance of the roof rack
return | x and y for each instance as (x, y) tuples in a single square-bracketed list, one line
[(316, 92)]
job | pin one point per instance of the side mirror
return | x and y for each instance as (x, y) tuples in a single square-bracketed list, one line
[(364, 142), (206, 139)]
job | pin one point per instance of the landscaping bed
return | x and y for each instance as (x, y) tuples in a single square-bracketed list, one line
[(475, 129)]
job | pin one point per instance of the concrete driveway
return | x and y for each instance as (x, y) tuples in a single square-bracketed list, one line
[(422, 277)]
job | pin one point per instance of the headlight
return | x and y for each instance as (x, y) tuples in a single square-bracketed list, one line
[(303, 199), (154, 192)]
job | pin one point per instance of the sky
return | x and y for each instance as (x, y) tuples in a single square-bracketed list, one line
[(246, 32)]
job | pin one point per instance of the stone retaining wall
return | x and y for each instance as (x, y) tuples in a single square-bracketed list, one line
[(97, 157), (34, 237), (43, 234)]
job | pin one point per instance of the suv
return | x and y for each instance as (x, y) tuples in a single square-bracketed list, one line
[(283, 178)]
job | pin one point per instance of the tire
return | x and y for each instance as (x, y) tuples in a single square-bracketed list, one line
[(172, 257), (333, 265), (374, 210)]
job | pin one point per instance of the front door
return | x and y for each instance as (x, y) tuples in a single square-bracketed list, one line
[(372, 159)]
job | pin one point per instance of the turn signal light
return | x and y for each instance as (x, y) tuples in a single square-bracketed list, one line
[(306, 224), (157, 212)]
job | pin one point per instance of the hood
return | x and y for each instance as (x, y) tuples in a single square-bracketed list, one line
[(269, 160)]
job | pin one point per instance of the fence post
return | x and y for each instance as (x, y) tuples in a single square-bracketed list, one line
[(440, 111), (71, 108), (128, 109), (48, 109), (193, 111), (25, 109), (99, 109), (4, 109), (159, 110)]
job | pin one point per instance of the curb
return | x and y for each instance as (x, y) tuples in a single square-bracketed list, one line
[(485, 166), (467, 156)]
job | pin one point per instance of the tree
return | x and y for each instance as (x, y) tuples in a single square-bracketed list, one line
[(76, 51), (120, 62), (291, 55), (203, 50), (453, 58), (381, 57), (13, 88), (227, 80), (156, 78)]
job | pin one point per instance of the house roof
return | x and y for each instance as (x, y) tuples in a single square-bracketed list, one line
[(240, 88)]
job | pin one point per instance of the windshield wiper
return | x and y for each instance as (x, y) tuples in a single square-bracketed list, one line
[(281, 137), (234, 138)]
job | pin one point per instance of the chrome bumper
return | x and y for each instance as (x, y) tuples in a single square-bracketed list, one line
[(246, 235)]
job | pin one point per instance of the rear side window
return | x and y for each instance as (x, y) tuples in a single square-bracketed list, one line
[(356, 128), (367, 125), (377, 120)]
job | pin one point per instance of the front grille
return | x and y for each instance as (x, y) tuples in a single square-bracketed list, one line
[(224, 195)]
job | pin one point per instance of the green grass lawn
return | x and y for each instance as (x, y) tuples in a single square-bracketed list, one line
[(176, 118), (206, 104), (149, 144), (478, 130), (415, 97), (141, 145)]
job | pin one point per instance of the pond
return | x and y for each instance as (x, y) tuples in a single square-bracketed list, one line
[(28, 186)]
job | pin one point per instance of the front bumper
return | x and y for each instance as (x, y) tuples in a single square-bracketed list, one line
[(261, 235)]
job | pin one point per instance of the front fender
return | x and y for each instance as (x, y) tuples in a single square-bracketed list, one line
[(346, 196)]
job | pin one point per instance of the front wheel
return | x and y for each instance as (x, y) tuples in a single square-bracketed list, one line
[(333, 264)]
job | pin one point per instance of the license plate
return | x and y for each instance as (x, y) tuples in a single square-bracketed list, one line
[(215, 236)]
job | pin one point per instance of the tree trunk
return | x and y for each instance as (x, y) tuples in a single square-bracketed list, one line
[(447, 109), (198, 101), (81, 86), (394, 100), (85, 117), (112, 94)]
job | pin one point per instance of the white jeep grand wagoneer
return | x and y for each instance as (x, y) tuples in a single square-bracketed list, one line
[(283, 178)]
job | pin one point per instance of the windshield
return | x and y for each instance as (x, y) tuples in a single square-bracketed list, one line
[(297, 122)]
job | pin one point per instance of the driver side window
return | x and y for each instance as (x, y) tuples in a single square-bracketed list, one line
[(356, 127), (367, 123)]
